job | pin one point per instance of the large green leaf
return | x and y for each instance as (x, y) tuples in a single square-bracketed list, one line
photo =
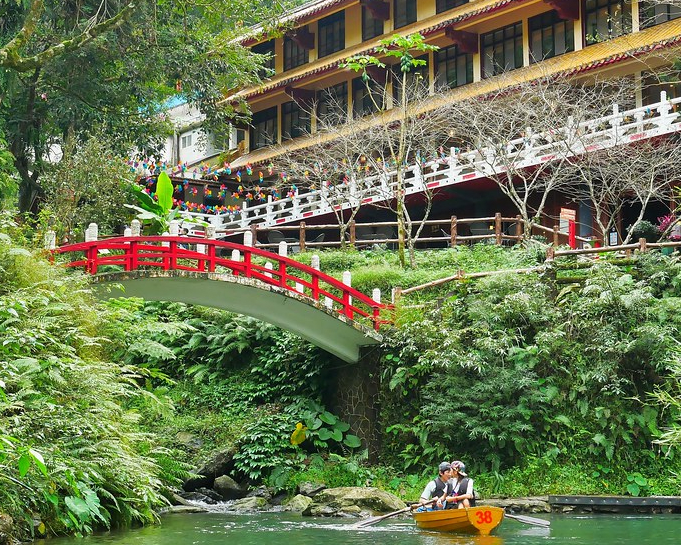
[(164, 192)]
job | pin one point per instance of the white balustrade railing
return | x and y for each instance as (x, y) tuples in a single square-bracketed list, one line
[(529, 150)]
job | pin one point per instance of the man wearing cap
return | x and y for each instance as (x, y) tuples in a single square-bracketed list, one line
[(438, 488), (462, 488)]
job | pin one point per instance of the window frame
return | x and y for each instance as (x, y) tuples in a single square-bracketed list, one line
[(263, 48), (331, 34), (647, 20), (290, 113), (294, 54), (367, 20), (324, 101), (517, 39), (259, 125), (550, 20), (445, 5), (625, 19), (448, 56), (405, 12)]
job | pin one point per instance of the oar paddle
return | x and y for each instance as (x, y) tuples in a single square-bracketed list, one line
[(529, 520), (376, 520)]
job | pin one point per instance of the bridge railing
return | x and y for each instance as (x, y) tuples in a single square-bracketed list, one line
[(214, 256)]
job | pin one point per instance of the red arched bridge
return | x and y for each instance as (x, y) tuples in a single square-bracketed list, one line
[(276, 289)]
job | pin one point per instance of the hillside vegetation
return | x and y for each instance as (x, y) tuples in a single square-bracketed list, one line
[(539, 387)]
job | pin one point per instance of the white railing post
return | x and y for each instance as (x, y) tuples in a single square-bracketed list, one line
[(174, 228), (283, 248), (127, 232), (236, 255), (135, 228), (376, 295), (91, 233), (269, 267), (210, 232), (248, 238), (268, 209), (314, 262), (50, 240), (347, 280), (165, 242), (244, 214)]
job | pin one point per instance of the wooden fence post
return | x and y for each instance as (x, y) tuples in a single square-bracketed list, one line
[(519, 228), (643, 243), (556, 233), (497, 228), (254, 234), (453, 231), (301, 236), (352, 233)]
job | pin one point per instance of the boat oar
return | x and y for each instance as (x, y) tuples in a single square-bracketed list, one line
[(376, 520), (529, 520)]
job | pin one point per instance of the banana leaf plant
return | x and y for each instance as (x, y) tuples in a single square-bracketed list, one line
[(156, 215)]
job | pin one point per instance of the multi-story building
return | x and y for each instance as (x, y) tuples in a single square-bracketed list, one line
[(478, 40)]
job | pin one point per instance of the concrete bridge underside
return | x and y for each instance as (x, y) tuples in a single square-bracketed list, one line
[(281, 307)]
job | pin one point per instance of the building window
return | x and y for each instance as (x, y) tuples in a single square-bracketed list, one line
[(264, 130), (404, 12), (453, 68), (294, 121), (550, 36), (366, 99), (446, 5), (606, 19), (331, 31), (186, 141), (332, 104), (652, 13), (294, 54), (371, 27), (265, 48), (652, 86), (502, 50)]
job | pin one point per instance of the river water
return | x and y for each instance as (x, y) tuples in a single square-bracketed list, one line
[(288, 529)]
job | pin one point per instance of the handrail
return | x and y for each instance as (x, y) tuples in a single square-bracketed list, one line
[(169, 253)]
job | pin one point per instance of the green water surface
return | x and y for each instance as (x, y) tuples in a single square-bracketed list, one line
[(288, 529)]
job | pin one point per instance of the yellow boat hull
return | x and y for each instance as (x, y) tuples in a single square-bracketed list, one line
[(474, 520)]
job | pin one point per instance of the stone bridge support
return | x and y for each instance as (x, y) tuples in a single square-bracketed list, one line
[(354, 397)]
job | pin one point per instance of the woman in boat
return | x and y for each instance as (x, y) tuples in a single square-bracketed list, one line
[(439, 488), (462, 488)]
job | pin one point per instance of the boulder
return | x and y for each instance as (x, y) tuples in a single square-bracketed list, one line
[(298, 503), (220, 463), (310, 489), (260, 492), (212, 494), (352, 501), (535, 504), (228, 488), (253, 503), (189, 440), (198, 497)]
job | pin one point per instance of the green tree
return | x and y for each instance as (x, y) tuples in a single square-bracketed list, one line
[(77, 66), (400, 144)]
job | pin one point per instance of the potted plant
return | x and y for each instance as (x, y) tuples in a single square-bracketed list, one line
[(644, 229)]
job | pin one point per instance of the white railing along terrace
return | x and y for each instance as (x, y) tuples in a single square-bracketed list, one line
[(618, 128)]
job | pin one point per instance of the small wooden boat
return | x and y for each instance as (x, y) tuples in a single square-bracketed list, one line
[(474, 520)]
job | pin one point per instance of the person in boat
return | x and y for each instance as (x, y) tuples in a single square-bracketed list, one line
[(462, 495), (439, 488)]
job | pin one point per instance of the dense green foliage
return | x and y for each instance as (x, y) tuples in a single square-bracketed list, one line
[(72, 454)]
